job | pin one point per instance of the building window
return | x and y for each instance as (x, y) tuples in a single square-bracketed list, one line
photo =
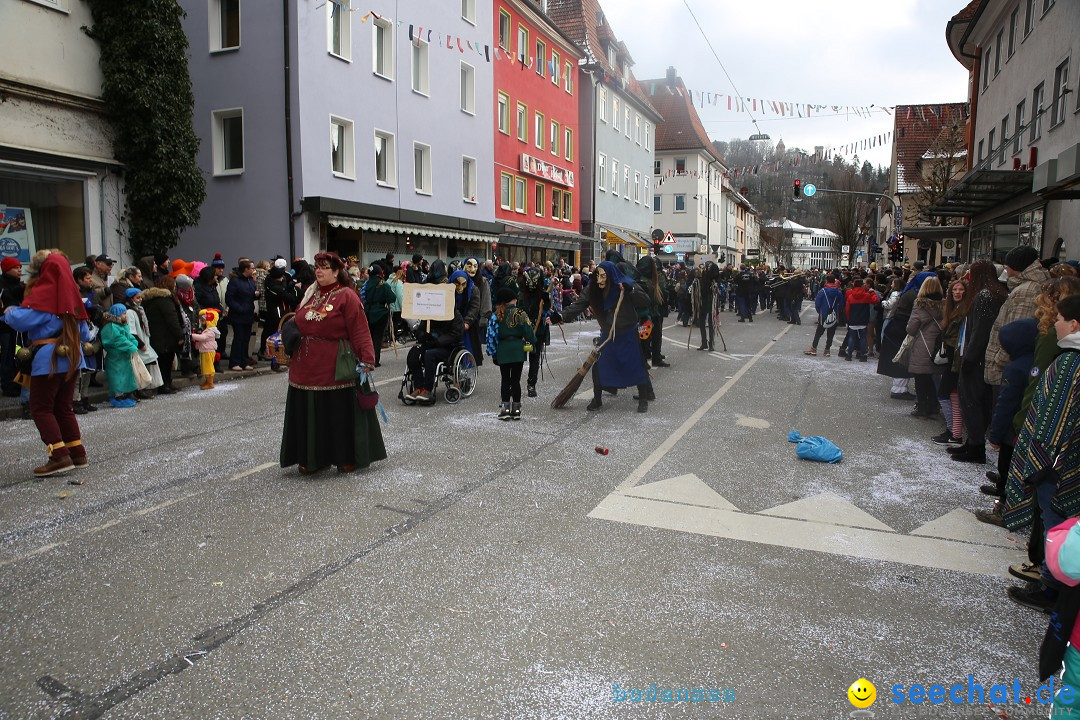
[(981, 150), (616, 114), (601, 172), (553, 141), (997, 52), (538, 131), (504, 113), (504, 30), (680, 166), (541, 55), (680, 203), (568, 78), (615, 178), (986, 69), (646, 190), (648, 140), (556, 203), (1047, 4), (656, 206), (468, 88), (556, 68), (522, 122), (1029, 18), (468, 179), (468, 11), (421, 72), (422, 168), (637, 128), (567, 206), (519, 195), (540, 200), (1004, 139), (506, 191), (991, 146), (342, 151), (1021, 108), (225, 25), (626, 120), (637, 187), (656, 166), (228, 141), (382, 48), (602, 102), (1014, 20), (1036, 113), (626, 181), (385, 159), (339, 30), (523, 44), (568, 144), (1061, 92)]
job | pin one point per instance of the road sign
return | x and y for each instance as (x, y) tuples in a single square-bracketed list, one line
[(809, 190), (657, 235), (669, 239), (844, 260), (845, 249), (669, 249), (703, 249)]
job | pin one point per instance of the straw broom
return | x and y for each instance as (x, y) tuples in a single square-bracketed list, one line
[(575, 382)]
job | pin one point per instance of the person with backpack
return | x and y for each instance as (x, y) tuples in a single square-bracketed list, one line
[(829, 301)]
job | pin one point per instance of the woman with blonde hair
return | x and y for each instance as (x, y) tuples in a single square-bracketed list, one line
[(925, 326), (53, 315), (957, 303)]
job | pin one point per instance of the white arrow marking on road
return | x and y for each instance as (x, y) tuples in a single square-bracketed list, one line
[(683, 505), (963, 526)]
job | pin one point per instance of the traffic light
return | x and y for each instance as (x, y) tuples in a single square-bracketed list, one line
[(797, 190)]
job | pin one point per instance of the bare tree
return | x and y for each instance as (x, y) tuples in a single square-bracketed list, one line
[(940, 168)]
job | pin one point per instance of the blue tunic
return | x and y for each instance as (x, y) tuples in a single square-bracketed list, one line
[(620, 364), (39, 325)]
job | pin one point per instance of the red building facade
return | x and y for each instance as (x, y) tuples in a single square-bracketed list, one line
[(536, 132)]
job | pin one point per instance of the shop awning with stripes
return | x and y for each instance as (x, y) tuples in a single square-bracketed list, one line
[(541, 237), (618, 236), (386, 226)]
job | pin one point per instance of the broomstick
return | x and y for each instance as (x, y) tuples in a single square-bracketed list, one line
[(575, 382)]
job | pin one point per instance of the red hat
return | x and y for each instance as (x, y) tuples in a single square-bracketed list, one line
[(55, 290), (9, 263)]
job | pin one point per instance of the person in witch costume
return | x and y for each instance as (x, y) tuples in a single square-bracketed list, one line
[(54, 317), (620, 364), (535, 301), (467, 302), (324, 423), (701, 292), (478, 331)]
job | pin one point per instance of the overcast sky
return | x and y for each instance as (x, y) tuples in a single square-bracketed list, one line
[(831, 52)]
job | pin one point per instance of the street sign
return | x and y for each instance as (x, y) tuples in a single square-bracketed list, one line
[(845, 249), (703, 249), (657, 235), (669, 239), (809, 190), (844, 260), (669, 249)]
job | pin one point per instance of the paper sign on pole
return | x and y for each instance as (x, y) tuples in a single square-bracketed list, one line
[(428, 302)]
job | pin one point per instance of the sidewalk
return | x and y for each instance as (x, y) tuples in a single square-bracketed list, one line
[(11, 410)]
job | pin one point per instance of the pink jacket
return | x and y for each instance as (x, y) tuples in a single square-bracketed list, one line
[(206, 341)]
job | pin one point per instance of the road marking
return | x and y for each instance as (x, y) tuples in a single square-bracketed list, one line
[(687, 504), (135, 514), (756, 423), (665, 447)]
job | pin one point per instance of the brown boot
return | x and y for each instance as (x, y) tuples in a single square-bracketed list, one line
[(79, 461), (56, 464), (207, 383), (210, 380)]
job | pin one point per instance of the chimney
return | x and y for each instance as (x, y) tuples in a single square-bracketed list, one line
[(671, 75)]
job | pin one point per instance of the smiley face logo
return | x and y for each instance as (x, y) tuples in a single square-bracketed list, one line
[(862, 693)]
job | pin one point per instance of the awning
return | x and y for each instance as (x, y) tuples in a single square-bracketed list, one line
[(934, 232), (623, 237), (982, 190), (386, 226), (542, 237)]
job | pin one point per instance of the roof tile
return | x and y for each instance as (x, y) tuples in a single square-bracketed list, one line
[(915, 129)]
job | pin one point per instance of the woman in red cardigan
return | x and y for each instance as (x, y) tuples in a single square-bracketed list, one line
[(324, 423)]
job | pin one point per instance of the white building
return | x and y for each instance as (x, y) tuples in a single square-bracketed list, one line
[(56, 156), (805, 248)]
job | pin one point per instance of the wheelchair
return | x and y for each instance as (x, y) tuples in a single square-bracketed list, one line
[(457, 376)]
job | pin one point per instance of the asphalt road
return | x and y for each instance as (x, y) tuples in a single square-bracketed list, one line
[(507, 570)]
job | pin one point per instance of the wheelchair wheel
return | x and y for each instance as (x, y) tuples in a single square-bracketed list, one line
[(452, 395), (464, 365)]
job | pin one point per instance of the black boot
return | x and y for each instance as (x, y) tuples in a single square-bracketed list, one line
[(642, 406), (595, 404), (532, 391)]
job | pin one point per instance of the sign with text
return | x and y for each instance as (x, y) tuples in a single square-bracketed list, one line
[(16, 234), (428, 302), (543, 169)]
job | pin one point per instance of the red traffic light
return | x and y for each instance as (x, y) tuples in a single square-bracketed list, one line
[(797, 190)]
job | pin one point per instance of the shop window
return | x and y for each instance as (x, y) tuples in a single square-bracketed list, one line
[(49, 212)]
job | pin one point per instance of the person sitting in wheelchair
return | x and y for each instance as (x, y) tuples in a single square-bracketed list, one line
[(433, 346)]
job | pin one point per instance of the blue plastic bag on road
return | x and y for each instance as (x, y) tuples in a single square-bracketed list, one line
[(815, 448)]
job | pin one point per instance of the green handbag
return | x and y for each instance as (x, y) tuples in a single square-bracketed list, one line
[(345, 368)]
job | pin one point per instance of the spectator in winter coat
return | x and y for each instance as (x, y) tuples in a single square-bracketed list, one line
[(829, 301), (858, 302), (924, 326), (378, 297), (240, 299)]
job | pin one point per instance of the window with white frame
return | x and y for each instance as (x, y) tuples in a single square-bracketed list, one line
[(522, 122), (602, 104), (538, 131), (680, 203), (1047, 4), (637, 128), (1036, 113), (656, 204), (342, 147), (626, 120), (568, 78), (656, 166), (224, 25), (1029, 17), (1014, 22), (385, 159), (228, 141), (422, 168), (648, 139), (1004, 139), (382, 47), (556, 68), (1021, 109), (506, 191), (1061, 92), (601, 172), (468, 88), (421, 71), (991, 145), (982, 150), (519, 195), (626, 181), (986, 69), (646, 190), (637, 187), (615, 178), (504, 113), (540, 199), (504, 30), (616, 114), (553, 140), (523, 44), (997, 52), (680, 166), (338, 29), (568, 144), (468, 11), (468, 179), (541, 59)]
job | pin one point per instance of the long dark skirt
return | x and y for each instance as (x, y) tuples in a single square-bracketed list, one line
[(621, 364), (891, 339), (328, 427)]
